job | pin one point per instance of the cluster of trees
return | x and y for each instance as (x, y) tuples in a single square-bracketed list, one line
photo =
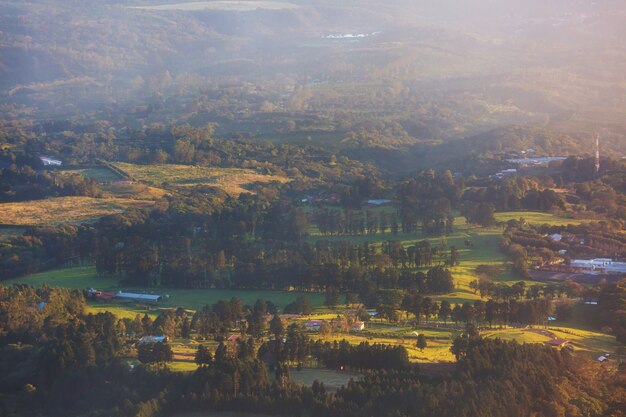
[(519, 193), (611, 306), (526, 243), (352, 222), (67, 360), (22, 184), (427, 200), (498, 291), (45, 248)]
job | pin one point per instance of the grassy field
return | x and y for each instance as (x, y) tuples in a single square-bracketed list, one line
[(64, 210), (439, 340), (536, 218), (485, 251), (232, 180), (73, 278), (85, 277), (332, 380), (9, 232), (98, 174)]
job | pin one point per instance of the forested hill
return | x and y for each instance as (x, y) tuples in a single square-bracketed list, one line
[(372, 80)]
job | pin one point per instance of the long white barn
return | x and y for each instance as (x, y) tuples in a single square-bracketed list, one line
[(141, 297), (599, 264)]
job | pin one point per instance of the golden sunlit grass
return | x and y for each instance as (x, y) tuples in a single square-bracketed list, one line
[(231, 180), (536, 218), (64, 210)]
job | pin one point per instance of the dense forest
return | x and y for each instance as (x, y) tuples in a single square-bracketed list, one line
[(63, 348)]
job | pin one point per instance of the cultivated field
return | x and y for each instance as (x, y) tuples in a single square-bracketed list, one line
[(64, 210), (232, 180)]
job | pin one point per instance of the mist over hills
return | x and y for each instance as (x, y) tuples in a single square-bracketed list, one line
[(431, 72)]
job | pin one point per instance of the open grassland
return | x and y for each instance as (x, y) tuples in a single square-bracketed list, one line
[(232, 180), (99, 174), (133, 190), (585, 341), (224, 5), (536, 218), (438, 349), (72, 278), (332, 380), (86, 277), (10, 232), (64, 210)]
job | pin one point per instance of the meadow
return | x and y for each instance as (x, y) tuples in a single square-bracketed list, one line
[(332, 380), (232, 180), (484, 250), (537, 218), (86, 277), (99, 174), (64, 210)]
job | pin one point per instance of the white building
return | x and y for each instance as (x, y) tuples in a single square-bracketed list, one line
[(605, 265), (138, 297), (378, 202), (48, 161), (556, 237), (358, 326), (151, 339)]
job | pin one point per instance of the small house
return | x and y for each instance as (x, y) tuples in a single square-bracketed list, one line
[(313, 324), (378, 202), (556, 342), (48, 161), (358, 326), (146, 340)]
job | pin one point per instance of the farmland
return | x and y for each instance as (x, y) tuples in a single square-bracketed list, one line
[(536, 218), (96, 173), (232, 180), (64, 210), (86, 277), (484, 250)]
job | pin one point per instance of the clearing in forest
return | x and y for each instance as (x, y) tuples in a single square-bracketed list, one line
[(64, 210), (232, 180)]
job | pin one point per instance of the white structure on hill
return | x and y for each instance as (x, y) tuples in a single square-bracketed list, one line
[(48, 161), (600, 265)]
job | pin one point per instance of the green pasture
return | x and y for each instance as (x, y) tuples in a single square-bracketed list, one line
[(332, 380), (536, 218), (99, 174), (8, 232), (86, 277)]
